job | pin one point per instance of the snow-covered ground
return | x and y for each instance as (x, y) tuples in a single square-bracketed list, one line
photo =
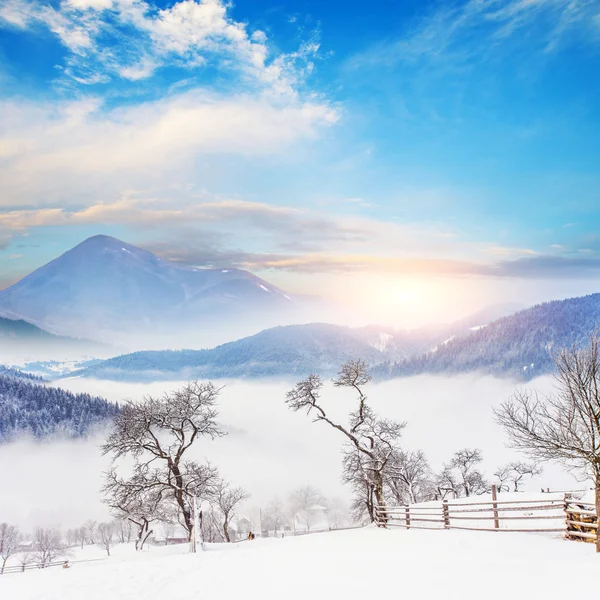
[(355, 564)]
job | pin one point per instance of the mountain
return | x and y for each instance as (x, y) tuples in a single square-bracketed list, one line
[(17, 373), (280, 351), (105, 289), (519, 346), (27, 406), (19, 338)]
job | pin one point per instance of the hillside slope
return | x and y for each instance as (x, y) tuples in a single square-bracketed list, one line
[(33, 408), (105, 289), (520, 345), (286, 350), (337, 564)]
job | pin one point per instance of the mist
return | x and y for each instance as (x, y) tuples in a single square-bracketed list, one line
[(268, 449)]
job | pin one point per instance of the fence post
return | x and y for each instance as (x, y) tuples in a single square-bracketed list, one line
[(446, 514), (407, 517), (495, 507), (567, 519)]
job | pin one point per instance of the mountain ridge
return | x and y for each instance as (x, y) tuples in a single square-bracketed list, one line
[(105, 289)]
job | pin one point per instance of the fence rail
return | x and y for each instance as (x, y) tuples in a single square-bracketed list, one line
[(31, 566), (58, 563), (576, 519)]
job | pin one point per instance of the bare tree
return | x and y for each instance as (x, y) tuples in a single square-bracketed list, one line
[(408, 476), (447, 483), (372, 436), (71, 537), (90, 528), (337, 513), (138, 501), (274, 516), (515, 472), (122, 527), (304, 501), (25, 557), (565, 426), (212, 529), (227, 499), (503, 475), (10, 538), (471, 479), (105, 536), (49, 545), (81, 535), (355, 471), (158, 433), (169, 531)]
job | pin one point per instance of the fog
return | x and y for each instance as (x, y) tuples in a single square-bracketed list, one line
[(269, 450)]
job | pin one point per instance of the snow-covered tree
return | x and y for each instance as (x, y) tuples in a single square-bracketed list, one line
[(373, 437), (356, 473), (105, 536), (514, 473), (10, 539), (48, 545), (564, 426), (471, 479), (158, 433), (304, 500), (227, 499), (408, 476), (274, 516), (90, 529), (122, 528), (81, 535), (138, 501)]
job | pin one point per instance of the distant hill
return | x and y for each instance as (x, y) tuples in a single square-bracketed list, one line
[(18, 337), (9, 372), (30, 407), (105, 289), (520, 345), (292, 350), (286, 350)]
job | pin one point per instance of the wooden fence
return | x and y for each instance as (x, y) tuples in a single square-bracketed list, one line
[(574, 518), (31, 565)]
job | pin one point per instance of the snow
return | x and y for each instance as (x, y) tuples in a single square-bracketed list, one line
[(436, 348), (382, 341), (264, 288), (225, 271), (352, 565), (125, 250)]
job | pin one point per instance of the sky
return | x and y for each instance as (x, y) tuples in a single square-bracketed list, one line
[(414, 160)]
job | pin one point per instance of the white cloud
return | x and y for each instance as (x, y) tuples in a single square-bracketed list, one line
[(132, 38), (63, 140), (472, 30)]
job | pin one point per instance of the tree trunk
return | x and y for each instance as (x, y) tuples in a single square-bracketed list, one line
[(226, 531), (382, 518), (597, 501), (181, 501)]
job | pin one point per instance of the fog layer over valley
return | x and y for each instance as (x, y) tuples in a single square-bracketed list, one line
[(269, 450)]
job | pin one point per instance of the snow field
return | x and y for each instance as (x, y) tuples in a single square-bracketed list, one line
[(355, 564)]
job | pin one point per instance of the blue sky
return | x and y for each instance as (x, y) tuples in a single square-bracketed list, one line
[(436, 155)]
